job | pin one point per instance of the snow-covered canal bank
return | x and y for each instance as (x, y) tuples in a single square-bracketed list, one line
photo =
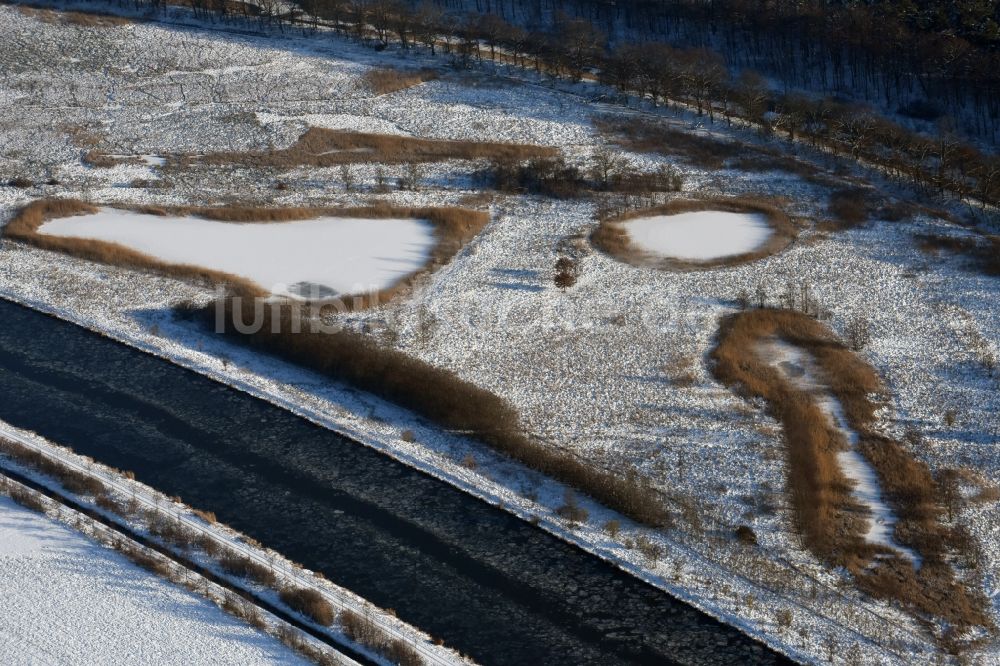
[(68, 600), (342, 255)]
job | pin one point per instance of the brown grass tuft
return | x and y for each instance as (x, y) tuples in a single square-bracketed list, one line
[(387, 80), (310, 603), (612, 238), (82, 19), (849, 208)]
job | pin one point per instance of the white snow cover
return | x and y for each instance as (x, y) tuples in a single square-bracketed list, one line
[(797, 367), (585, 367), (700, 235), (342, 255), (67, 600)]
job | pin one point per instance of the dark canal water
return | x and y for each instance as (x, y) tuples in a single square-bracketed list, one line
[(489, 584)]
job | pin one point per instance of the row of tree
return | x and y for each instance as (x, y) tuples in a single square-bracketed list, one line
[(923, 58), (697, 76)]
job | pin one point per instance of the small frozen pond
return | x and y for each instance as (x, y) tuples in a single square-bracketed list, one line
[(337, 255), (699, 236)]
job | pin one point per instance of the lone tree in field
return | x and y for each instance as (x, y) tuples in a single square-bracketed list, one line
[(859, 333), (605, 165)]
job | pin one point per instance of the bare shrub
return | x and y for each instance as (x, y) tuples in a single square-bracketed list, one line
[(109, 503), (242, 566), (571, 511), (849, 208), (469, 461), (310, 603), (612, 528), (784, 618), (360, 628), (72, 480), (982, 251), (29, 499), (146, 559), (98, 159), (21, 182), (650, 550), (172, 531), (643, 135), (408, 436), (545, 175), (565, 273), (746, 535), (680, 370), (401, 653), (858, 333)]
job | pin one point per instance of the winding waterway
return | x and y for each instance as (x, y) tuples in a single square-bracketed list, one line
[(489, 584)]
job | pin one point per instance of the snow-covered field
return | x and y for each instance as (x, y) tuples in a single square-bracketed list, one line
[(700, 235), (592, 369), (329, 255), (67, 600)]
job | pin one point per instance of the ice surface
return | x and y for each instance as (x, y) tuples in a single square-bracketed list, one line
[(343, 255), (701, 235)]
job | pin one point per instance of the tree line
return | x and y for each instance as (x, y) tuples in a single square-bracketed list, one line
[(696, 77)]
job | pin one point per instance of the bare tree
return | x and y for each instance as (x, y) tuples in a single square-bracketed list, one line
[(605, 163)]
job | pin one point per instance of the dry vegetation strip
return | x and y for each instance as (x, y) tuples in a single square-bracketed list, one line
[(453, 228), (319, 147), (982, 253), (89, 19), (818, 490), (612, 237), (387, 80), (436, 394), (700, 150), (643, 136)]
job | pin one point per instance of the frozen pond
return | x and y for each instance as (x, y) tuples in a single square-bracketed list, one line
[(699, 236), (336, 255)]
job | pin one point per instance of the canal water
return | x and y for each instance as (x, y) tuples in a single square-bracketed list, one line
[(487, 583)]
